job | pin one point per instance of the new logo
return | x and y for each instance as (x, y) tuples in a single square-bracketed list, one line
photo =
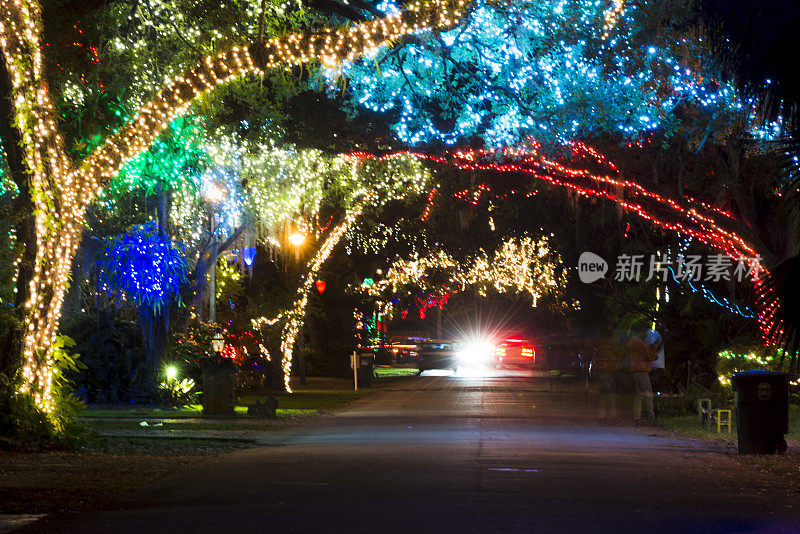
[(591, 267)]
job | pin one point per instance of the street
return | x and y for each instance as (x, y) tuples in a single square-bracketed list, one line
[(458, 454)]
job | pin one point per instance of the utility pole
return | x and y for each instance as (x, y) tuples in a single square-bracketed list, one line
[(214, 194), (212, 301)]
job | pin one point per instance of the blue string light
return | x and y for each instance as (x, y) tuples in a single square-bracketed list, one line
[(547, 70), (724, 303), (708, 294)]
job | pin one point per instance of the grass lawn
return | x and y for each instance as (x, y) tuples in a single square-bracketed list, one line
[(301, 403), (145, 446), (690, 425), (394, 372)]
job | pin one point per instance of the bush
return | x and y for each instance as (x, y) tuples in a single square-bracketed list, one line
[(27, 427), (755, 358), (112, 355), (178, 392), (186, 349)]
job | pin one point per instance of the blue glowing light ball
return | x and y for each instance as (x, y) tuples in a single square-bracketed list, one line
[(143, 265)]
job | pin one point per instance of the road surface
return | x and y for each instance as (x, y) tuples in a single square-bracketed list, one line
[(459, 454)]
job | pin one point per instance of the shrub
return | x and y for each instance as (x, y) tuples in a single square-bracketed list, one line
[(755, 358), (112, 355), (25, 426), (178, 392)]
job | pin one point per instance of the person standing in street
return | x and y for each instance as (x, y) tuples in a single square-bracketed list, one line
[(656, 344), (641, 360), (604, 367)]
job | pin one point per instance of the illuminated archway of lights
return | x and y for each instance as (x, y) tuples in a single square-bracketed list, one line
[(62, 189), (576, 171)]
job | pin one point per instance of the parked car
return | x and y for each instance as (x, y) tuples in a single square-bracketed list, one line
[(515, 352), (437, 354)]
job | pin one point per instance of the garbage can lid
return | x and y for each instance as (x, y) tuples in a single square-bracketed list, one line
[(758, 373), (749, 378)]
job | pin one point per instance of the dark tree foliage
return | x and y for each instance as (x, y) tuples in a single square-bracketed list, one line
[(758, 41)]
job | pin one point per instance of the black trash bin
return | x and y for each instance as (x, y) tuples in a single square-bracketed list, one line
[(366, 367), (762, 411)]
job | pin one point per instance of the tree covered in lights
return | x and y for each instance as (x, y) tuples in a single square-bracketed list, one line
[(57, 188), (145, 267), (518, 267)]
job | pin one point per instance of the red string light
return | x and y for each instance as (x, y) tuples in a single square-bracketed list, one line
[(688, 216)]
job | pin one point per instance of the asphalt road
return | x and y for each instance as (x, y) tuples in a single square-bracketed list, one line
[(460, 454)]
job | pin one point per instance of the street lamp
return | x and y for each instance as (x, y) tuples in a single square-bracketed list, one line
[(172, 372), (297, 239), (214, 194), (217, 343)]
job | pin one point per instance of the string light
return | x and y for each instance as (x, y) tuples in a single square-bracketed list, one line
[(296, 315), (521, 265), (58, 204), (733, 362), (611, 16), (285, 186), (723, 302), (688, 216), (227, 273), (379, 237), (590, 75), (684, 217), (61, 190), (397, 177)]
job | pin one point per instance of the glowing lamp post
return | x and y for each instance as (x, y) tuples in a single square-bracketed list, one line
[(171, 372), (217, 343), (219, 378)]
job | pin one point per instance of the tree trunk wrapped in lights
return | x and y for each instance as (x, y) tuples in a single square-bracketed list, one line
[(296, 315), (61, 190)]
